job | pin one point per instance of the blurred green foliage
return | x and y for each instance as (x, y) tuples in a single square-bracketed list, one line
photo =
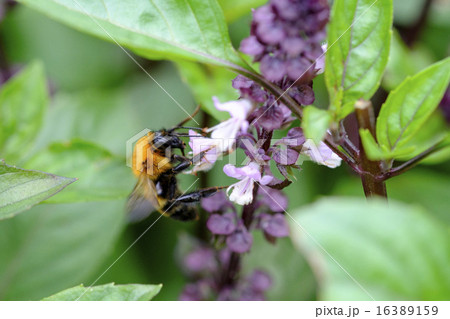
[(100, 98)]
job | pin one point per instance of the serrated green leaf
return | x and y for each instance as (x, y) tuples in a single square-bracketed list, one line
[(157, 29), (108, 292), (315, 123), (101, 175), (408, 108), (56, 246), (358, 50), (394, 252), (23, 102), (207, 81), (21, 189)]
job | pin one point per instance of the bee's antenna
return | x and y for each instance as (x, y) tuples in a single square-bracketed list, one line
[(197, 109)]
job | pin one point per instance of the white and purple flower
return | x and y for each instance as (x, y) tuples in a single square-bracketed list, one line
[(242, 192)]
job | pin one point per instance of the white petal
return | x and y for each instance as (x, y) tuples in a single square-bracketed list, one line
[(241, 192), (321, 154), (238, 109)]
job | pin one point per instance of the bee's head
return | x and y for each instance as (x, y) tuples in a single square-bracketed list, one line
[(164, 139)]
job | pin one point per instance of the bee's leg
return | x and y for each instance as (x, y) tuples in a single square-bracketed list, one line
[(197, 195), (185, 162)]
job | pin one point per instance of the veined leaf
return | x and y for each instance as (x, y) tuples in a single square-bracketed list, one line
[(315, 123), (408, 108), (392, 252), (23, 102), (108, 292), (21, 189), (359, 36), (155, 29)]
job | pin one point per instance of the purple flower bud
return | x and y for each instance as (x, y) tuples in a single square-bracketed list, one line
[(240, 241), (286, 9), (270, 117), (251, 295), (274, 225), (216, 203), (445, 105), (296, 68), (222, 224), (198, 291), (263, 14), (200, 260), (260, 281), (303, 94), (272, 68), (285, 155), (270, 33), (251, 46), (273, 198), (293, 46)]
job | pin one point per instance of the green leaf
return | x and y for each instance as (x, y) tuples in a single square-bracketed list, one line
[(408, 108), (234, 9), (23, 102), (101, 175), (358, 49), (207, 81), (394, 252), (315, 123), (157, 29), (108, 292), (375, 152), (21, 189), (56, 246)]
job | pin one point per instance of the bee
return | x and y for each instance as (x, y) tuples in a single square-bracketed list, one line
[(156, 166)]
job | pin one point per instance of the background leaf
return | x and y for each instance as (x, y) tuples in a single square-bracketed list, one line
[(234, 9), (408, 108), (101, 175), (395, 252), (358, 50), (23, 102), (54, 247), (21, 189), (108, 292), (158, 29), (315, 123), (208, 81)]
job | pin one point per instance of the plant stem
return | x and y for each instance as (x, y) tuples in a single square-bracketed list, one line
[(371, 170), (410, 164), (231, 271)]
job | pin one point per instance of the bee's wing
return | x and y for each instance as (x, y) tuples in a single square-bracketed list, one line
[(143, 200)]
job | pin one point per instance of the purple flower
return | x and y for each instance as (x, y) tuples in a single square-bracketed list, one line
[(216, 202), (274, 225), (240, 241), (242, 192), (274, 199), (222, 224), (251, 46), (223, 135), (199, 260), (260, 281)]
